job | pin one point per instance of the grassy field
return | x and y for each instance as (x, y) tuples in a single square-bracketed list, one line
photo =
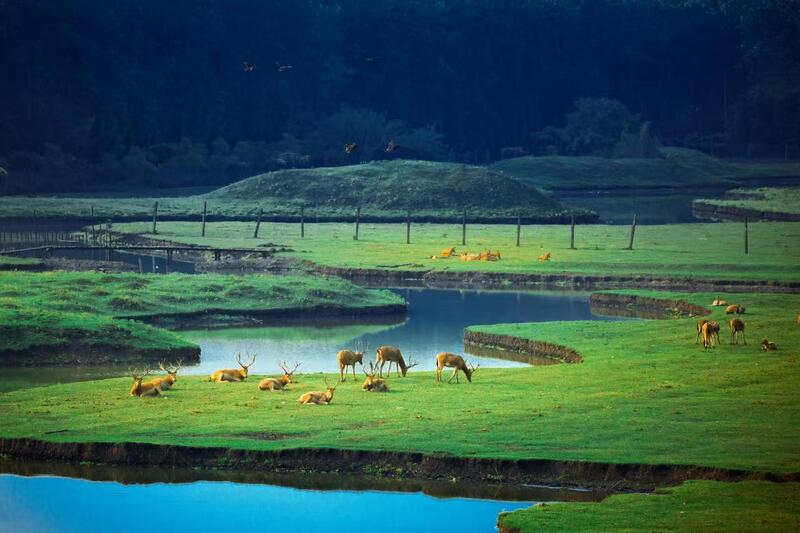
[(7, 261), (666, 401), (762, 199), (683, 250), (693, 506), (77, 310), (677, 168)]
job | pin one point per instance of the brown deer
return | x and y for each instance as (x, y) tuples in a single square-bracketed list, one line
[(737, 327), (456, 362), (390, 354), (700, 324), (449, 252), (373, 384), (143, 389), (719, 303), (544, 257), (232, 374), (319, 397), (280, 383), (169, 380), (734, 309), (767, 345), (347, 358), (488, 255), (710, 331)]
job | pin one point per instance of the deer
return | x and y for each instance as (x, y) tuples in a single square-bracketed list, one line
[(228, 375), (734, 309), (348, 358), (737, 327), (169, 380), (273, 384), (719, 303), (456, 362), (319, 397), (710, 331), (373, 384), (143, 389), (700, 324), (466, 256), (449, 252), (390, 354), (544, 257), (767, 345)]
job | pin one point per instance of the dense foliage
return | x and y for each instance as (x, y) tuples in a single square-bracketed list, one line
[(153, 93)]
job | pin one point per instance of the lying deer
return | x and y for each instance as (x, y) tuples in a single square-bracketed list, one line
[(544, 257), (373, 384), (319, 397), (448, 252), (390, 354), (169, 380), (737, 327), (466, 256), (228, 374), (734, 309), (768, 345), (719, 303), (347, 358), (280, 383), (456, 362), (489, 256), (143, 389)]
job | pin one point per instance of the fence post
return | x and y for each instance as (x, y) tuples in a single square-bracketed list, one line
[(205, 209), (358, 220), (633, 232), (746, 237), (464, 228), (141, 266), (155, 217), (302, 222), (519, 225), (94, 236), (572, 233), (258, 223), (408, 227)]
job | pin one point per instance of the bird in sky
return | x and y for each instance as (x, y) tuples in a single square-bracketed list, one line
[(372, 59), (282, 67), (248, 67), (391, 147), (349, 148)]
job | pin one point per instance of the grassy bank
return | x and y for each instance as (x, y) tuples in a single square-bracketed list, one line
[(677, 168), (711, 251), (693, 506), (8, 262), (644, 394), (759, 202)]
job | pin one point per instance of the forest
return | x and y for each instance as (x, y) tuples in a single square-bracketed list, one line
[(146, 94)]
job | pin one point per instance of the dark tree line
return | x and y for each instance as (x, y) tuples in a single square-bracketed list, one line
[(95, 92)]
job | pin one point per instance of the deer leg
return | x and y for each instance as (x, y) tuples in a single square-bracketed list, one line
[(380, 370), (341, 373), (744, 339), (455, 371), (354, 371)]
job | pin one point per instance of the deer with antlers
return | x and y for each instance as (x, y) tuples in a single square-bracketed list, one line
[(391, 354), (319, 397), (143, 389), (349, 358), (280, 383), (169, 380), (233, 374), (456, 362), (372, 383)]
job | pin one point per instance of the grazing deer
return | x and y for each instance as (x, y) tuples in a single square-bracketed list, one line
[(734, 309), (143, 389), (710, 331), (281, 382), (737, 327), (456, 362), (449, 252), (227, 375), (390, 354), (319, 397), (768, 345), (719, 303), (373, 384), (544, 257), (700, 324), (169, 380), (347, 358)]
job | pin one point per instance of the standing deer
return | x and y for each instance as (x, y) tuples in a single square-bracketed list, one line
[(391, 354), (319, 397), (700, 324), (143, 389), (373, 384), (347, 358), (227, 375), (169, 380), (280, 383), (456, 362), (710, 331), (737, 326)]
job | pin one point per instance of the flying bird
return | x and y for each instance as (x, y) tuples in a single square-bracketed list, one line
[(391, 147), (282, 67), (349, 148), (248, 67)]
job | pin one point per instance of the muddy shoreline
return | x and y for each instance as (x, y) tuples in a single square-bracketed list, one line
[(520, 347), (710, 211), (635, 306)]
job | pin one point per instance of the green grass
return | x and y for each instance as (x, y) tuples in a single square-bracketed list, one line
[(679, 250), (645, 394), (762, 199), (677, 168), (11, 261), (693, 506)]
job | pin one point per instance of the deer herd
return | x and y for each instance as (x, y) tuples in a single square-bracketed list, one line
[(709, 329), (374, 382)]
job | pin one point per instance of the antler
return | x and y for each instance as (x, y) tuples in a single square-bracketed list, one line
[(328, 385), (253, 360), (239, 358), (177, 366), (161, 366), (473, 368), (372, 369), (411, 363)]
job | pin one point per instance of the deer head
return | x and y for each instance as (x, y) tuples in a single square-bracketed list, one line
[(137, 376), (471, 369), (411, 364), (288, 373), (173, 373), (245, 367)]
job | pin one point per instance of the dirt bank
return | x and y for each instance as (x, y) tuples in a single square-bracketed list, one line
[(384, 463), (521, 347), (709, 211), (643, 306), (80, 353)]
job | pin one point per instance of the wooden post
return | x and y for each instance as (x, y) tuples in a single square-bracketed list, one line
[(155, 218), (633, 232), (166, 262), (153, 266), (258, 223), (358, 221), (205, 209), (302, 222), (746, 237), (464, 228), (141, 266), (408, 227), (94, 236), (572, 233), (519, 227)]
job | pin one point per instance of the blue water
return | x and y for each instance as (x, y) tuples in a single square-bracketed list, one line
[(45, 504)]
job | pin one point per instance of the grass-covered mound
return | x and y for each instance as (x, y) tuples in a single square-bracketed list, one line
[(693, 506), (644, 394), (55, 315), (771, 203), (8, 262), (686, 251), (677, 168)]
